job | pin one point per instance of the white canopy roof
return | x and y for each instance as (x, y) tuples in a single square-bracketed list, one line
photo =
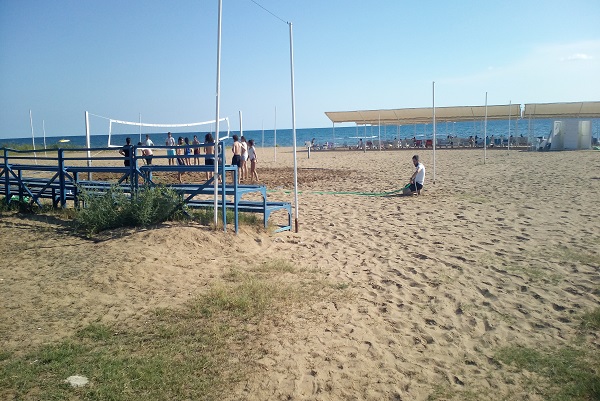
[(562, 110), (424, 115)]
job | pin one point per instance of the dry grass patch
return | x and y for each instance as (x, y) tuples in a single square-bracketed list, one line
[(194, 352)]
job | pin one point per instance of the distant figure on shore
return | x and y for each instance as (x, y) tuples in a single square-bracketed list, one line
[(471, 141), (360, 144), (146, 154), (209, 149), (170, 152), (148, 141), (253, 159), (236, 160), (418, 178)]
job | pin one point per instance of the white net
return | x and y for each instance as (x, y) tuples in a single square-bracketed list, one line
[(118, 130)]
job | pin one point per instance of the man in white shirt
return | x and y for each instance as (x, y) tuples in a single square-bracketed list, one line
[(418, 178), (148, 141)]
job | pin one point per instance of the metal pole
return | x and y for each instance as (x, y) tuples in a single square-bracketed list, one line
[(216, 150), (44, 131), (509, 115), (485, 132), (87, 143), (379, 130), (294, 129), (433, 96), (32, 136), (140, 130), (275, 137)]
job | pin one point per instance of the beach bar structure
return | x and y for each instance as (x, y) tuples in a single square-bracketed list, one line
[(425, 115), (62, 177)]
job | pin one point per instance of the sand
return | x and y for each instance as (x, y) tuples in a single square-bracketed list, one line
[(491, 255)]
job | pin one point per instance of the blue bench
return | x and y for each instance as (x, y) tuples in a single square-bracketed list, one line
[(264, 207)]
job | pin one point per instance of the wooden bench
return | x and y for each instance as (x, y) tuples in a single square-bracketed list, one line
[(265, 207)]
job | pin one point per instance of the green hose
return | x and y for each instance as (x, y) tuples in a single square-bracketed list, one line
[(350, 192)]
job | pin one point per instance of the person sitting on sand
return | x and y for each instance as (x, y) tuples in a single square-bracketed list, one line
[(418, 178)]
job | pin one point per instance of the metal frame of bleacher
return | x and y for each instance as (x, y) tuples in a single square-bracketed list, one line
[(23, 174)]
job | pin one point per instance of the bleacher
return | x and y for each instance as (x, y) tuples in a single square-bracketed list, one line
[(62, 178)]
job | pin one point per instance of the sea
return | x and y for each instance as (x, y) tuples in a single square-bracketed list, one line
[(340, 136)]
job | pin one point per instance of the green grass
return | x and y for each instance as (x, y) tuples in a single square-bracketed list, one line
[(580, 256), (591, 320), (197, 352), (566, 373), (570, 372)]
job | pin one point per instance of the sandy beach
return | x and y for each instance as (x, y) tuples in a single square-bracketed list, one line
[(492, 254)]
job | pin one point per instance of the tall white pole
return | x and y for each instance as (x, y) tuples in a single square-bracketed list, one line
[(263, 134), (333, 132), (32, 136), (485, 132), (294, 129), (44, 131), (379, 131), (509, 116), (434, 133), (140, 127), (241, 126), (275, 137), (216, 151), (87, 143)]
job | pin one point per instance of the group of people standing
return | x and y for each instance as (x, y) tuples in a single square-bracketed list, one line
[(242, 153), (185, 154), (184, 151)]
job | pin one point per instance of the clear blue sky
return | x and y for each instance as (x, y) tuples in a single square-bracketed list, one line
[(121, 59)]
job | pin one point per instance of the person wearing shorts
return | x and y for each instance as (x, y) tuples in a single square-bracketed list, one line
[(209, 149), (236, 160), (170, 152)]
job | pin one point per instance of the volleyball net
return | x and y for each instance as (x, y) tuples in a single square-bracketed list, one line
[(115, 131)]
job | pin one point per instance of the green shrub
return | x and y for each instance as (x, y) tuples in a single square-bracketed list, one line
[(114, 208)]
